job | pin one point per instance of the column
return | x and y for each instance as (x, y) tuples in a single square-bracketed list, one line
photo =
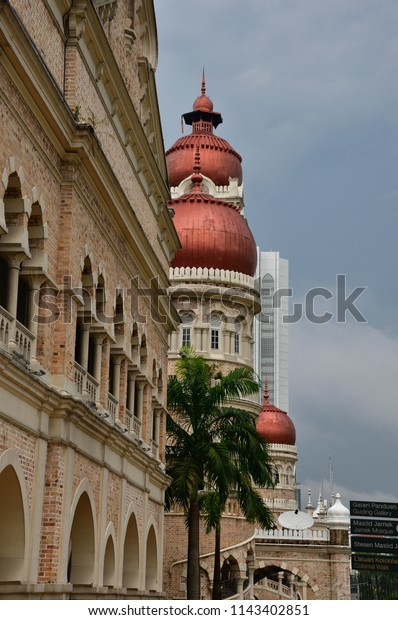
[(34, 313), (139, 399), (98, 363), (239, 586), (174, 341), (14, 263), (117, 360), (84, 345), (131, 393), (227, 341), (280, 579), (198, 339), (291, 580), (155, 438)]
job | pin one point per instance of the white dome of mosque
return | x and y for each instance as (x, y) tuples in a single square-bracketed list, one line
[(338, 514)]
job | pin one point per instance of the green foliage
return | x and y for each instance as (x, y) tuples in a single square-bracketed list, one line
[(213, 446), (374, 585)]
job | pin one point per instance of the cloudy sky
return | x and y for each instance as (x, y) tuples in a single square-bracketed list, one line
[(308, 91)]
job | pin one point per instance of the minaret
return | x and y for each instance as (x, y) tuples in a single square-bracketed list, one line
[(277, 429), (212, 277), (221, 165), (212, 273)]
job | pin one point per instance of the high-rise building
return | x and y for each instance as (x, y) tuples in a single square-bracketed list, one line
[(270, 328)]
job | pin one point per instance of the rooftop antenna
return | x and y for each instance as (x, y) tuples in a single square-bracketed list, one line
[(331, 492)]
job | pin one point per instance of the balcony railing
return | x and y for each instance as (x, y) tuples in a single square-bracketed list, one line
[(6, 321), (112, 407), (133, 424), (86, 385), (154, 447), (12, 331)]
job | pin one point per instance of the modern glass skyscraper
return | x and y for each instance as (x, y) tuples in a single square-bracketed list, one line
[(270, 332)]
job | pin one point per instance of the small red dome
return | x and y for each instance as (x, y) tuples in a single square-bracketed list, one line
[(213, 234), (203, 103), (219, 161), (274, 425)]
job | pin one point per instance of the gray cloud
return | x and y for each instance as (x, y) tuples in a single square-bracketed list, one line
[(308, 94)]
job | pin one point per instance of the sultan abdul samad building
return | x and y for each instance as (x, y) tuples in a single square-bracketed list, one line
[(88, 237), (217, 298)]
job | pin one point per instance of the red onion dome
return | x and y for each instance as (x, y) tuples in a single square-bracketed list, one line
[(213, 234), (203, 103), (219, 161), (274, 425)]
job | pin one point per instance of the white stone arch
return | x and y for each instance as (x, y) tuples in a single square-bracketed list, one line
[(152, 558), (285, 566), (37, 227), (14, 566), (131, 550), (16, 207), (82, 551), (87, 283), (12, 167)]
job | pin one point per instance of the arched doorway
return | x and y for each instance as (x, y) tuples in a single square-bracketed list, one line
[(12, 526), (151, 572), (131, 555), (229, 577), (82, 544), (109, 563)]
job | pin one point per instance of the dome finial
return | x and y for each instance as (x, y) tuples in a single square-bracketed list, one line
[(266, 391), (196, 177), (203, 81)]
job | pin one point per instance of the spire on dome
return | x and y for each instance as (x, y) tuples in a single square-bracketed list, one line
[(196, 176), (203, 82), (266, 392), (202, 118)]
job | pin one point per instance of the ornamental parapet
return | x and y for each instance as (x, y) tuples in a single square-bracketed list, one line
[(281, 503), (202, 275), (314, 536), (283, 447)]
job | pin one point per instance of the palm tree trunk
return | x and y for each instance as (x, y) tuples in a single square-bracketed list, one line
[(216, 595), (193, 571)]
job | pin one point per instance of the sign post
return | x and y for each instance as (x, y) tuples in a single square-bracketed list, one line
[(374, 536)]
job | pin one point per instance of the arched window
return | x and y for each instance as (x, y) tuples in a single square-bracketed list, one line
[(237, 332), (215, 331), (187, 319)]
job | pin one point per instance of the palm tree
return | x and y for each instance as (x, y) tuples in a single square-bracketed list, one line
[(212, 446), (248, 475)]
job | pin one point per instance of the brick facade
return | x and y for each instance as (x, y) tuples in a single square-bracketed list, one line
[(84, 231)]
